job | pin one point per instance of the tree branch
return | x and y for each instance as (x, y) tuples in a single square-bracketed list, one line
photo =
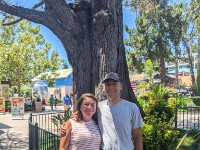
[(51, 21), (38, 5), (33, 15), (13, 22), (68, 31), (64, 14), (18, 20)]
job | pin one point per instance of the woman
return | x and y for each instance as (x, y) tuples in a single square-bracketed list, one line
[(82, 131), (43, 104)]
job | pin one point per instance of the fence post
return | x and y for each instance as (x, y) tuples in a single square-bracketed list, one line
[(31, 117), (30, 132), (176, 109), (36, 136), (30, 135)]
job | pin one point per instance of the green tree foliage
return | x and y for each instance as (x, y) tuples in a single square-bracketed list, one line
[(190, 15), (149, 71), (194, 17), (65, 65), (151, 37), (198, 80), (24, 54), (159, 28)]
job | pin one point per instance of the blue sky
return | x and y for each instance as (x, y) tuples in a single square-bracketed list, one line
[(55, 42), (128, 19)]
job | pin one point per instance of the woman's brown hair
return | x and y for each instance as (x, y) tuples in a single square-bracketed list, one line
[(77, 115)]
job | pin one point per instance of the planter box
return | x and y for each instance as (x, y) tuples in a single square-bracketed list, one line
[(38, 106), (7, 109), (28, 109)]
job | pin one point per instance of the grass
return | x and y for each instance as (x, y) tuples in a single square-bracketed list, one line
[(196, 101), (192, 140)]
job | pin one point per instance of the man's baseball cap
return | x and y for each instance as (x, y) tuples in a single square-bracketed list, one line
[(112, 76)]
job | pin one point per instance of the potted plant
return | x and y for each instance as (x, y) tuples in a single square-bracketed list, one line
[(7, 106)]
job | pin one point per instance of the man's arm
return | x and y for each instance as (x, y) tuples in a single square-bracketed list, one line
[(65, 138), (137, 138)]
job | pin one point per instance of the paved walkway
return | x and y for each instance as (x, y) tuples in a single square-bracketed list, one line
[(14, 133)]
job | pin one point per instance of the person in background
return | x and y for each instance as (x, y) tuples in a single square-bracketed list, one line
[(28, 102), (82, 131), (55, 101), (67, 102), (43, 104), (32, 104), (38, 98), (51, 101)]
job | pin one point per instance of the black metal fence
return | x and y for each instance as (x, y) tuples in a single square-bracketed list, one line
[(188, 118), (43, 133)]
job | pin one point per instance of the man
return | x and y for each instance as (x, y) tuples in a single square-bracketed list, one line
[(51, 100), (67, 102), (119, 120)]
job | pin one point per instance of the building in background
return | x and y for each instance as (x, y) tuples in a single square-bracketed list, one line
[(63, 85), (184, 73)]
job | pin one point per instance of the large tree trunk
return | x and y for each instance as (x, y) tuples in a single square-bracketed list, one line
[(91, 32)]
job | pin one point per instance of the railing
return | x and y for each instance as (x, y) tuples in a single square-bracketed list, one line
[(188, 118), (43, 133)]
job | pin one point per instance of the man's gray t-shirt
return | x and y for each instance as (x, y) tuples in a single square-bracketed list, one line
[(116, 122)]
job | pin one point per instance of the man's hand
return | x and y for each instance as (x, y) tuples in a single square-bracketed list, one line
[(62, 129)]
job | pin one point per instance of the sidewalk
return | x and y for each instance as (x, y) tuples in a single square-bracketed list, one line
[(14, 133)]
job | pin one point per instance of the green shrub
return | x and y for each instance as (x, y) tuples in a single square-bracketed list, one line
[(7, 104), (182, 101), (171, 102), (160, 92), (161, 110), (196, 101), (158, 132), (144, 95), (142, 102), (59, 100)]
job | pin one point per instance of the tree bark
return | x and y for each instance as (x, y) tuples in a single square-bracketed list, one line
[(91, 32), (177, 67)]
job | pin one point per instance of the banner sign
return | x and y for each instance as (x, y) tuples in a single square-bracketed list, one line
[(2, 105), (17, 107), (5, 92)]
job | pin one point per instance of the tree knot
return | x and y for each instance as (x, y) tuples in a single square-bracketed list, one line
[(101, 19)]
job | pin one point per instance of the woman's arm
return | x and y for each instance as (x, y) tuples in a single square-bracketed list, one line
[(64, 139)]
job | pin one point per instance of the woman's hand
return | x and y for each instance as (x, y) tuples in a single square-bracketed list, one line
[(62, 129)]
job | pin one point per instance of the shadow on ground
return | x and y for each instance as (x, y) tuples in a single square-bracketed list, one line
[(4, 126), (11, 141)]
